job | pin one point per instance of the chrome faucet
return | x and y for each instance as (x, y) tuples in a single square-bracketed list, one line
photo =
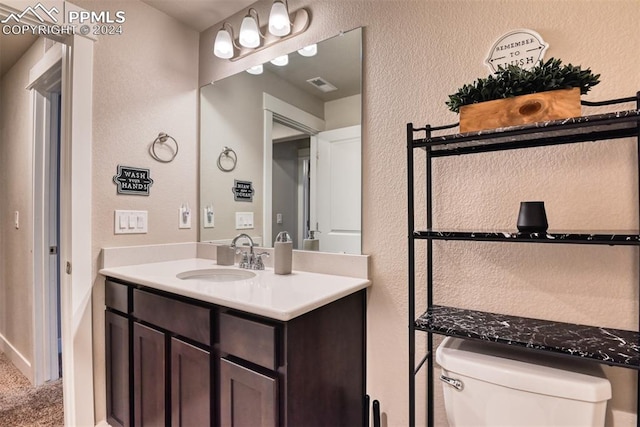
[(246, 236), (249, 260)]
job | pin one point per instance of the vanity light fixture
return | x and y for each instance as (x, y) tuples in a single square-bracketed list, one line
[(308, 51), (252, 38), (280, 61), (255, 70), (279, 24), (224, 45), (250, 30)]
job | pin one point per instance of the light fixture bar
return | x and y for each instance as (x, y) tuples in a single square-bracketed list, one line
[(300, 23)]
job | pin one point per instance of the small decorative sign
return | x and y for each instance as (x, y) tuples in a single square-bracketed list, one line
[(242, 191), (523, 48), (132, 180)]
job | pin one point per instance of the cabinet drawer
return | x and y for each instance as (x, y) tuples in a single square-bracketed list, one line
[(116, 296), (188, 320), (249, 340)]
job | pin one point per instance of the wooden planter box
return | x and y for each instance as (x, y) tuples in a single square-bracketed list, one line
[(519, 110)]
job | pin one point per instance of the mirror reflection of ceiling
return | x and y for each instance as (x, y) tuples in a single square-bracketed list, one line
[(343, 49)]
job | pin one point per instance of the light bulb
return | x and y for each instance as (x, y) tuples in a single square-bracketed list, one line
[(280, 61), (279, 24), (255, 70), (249, 32), (223, 46), (310, 50)]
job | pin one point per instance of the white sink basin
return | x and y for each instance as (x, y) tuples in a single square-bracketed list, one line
[(216, 275)]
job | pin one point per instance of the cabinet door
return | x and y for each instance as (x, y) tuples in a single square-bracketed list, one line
[(190, 385), (247, 398), (148, 376), (117, 361)]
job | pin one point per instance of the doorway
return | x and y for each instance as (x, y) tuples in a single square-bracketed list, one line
[(46, 92), (75, 53), (290, 196)]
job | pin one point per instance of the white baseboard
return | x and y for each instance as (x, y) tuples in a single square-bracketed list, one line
[(18, 360)]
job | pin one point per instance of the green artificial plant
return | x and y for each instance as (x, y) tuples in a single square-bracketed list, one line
[(513, 81)]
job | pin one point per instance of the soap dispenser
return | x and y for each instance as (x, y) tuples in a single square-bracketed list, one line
[(282, 253), (311, 244)]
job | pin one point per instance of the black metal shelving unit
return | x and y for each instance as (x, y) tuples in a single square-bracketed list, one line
[(608, 346)]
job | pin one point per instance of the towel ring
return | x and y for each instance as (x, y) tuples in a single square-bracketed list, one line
[(161, 139), (226, 154)]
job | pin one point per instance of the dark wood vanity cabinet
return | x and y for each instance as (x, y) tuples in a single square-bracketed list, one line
[(158, 359), (191, 397), (198, 364), (149, 376), (117, 362)]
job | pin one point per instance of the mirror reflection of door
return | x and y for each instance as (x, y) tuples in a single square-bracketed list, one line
[(336, 172), (316, 188)]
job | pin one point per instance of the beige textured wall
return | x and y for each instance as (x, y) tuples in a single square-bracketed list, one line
[(145, 82), (415, 54), (16, 193)]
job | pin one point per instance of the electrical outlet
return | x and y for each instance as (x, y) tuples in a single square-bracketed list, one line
[(184, 217), (208, 218)]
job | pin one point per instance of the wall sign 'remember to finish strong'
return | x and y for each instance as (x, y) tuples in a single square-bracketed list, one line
[(522, 48), (242, 191), (132, 180)]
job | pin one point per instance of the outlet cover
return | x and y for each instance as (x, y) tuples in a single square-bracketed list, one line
[(208, 218), (184, 217)]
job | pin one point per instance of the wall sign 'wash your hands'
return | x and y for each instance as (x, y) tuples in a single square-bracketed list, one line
[(135, 181)]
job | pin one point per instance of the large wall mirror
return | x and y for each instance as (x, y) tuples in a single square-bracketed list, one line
[(281, 150)]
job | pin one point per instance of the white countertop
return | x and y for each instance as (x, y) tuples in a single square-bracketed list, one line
[(280, 297)]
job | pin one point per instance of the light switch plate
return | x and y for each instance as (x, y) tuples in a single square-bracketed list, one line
[(130, 222), (244, 220)]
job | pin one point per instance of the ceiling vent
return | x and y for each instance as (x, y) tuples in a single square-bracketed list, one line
[(322, 84)]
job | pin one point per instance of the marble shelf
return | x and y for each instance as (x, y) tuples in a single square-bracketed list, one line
[(577, 129), (609, 237), (604, 345)]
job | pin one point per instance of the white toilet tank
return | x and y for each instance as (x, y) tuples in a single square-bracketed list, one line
[(495, 385)]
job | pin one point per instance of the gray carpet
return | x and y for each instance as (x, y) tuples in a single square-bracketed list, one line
[(24, 405)]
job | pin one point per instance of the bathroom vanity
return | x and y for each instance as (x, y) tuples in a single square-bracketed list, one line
[(264, 351)]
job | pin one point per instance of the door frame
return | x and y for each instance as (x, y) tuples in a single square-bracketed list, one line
[(274, 108), (44, 78), (75, 218)]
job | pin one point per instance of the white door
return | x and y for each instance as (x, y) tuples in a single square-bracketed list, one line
[(337, 185)]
